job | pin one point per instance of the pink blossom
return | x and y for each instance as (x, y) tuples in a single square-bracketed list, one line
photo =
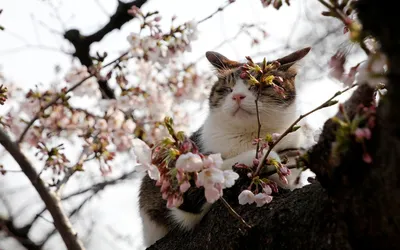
[(213, 160), (262, 198), (189, 162), (267, 189), (184, 186), (209, 177), (143, 156), (101, 124), (212, 193), (116, 119), (229, 178), (129, 126), (246, 197)]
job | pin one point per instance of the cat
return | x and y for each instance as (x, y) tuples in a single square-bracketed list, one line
[(229, 129)]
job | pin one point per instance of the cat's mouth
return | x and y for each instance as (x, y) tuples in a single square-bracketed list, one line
[(240, 110)]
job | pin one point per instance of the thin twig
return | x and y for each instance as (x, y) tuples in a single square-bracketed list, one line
[(343, 18), (10, 171), (233, 212), (220, 9), (56, 98), (258, 121), (290, 128)]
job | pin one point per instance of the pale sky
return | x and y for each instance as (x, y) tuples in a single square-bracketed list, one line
[(30, 48)]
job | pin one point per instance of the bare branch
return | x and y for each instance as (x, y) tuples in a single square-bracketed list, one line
[(82, 43), (51, 201), (220, 9)]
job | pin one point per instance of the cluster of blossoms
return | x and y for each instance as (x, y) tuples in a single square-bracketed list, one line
[(264, 164), (141, 102), (261, 75), (176, 164), (261, 188), (159, 46), (356, 130)]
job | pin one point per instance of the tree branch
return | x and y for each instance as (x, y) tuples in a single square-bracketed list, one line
[(82, 43), (51, 201)]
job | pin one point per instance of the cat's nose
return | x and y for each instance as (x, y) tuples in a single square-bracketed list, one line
[(238, 97)]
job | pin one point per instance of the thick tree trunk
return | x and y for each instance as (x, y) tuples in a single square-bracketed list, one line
[(353, 205)]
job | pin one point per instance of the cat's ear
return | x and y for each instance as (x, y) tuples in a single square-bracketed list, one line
[(289, 60), (220, 62)]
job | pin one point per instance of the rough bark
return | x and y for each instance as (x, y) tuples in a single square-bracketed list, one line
[(82, 43), (353, 205)]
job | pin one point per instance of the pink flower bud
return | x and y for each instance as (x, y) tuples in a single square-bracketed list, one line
[(283, 179), (256, 162), (367, 158), (359, 133), (186, 146), (367, 133), (170, 202), (165, 185), (184, 186), (273, 186), (284, 171)]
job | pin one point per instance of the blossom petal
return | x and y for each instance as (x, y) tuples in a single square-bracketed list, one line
[(142, 151), (262, 198), (189, 162), (212, 194), (246, 196), (230, 178)]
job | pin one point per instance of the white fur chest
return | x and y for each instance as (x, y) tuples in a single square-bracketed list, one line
[(230, 141)]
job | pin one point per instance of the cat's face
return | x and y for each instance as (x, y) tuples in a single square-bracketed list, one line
[(234, 98)]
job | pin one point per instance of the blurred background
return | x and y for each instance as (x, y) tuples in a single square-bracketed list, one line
[(34, 52)]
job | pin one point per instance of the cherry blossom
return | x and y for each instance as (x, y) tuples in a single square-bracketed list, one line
[(213, 160), (189, 162), (143, 156), (262, 198), (246, 197)]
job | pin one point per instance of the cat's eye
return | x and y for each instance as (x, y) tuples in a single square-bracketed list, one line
[(224, 90)]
